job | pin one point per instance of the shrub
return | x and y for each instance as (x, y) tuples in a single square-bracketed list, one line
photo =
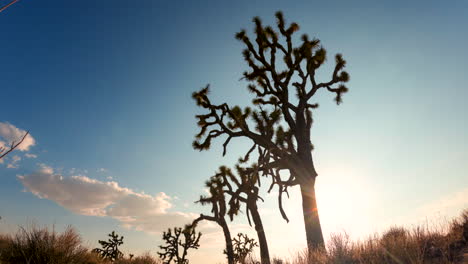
[(39, 245), (110, 248)]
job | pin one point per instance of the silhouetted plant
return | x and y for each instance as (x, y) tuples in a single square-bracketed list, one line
[(110, 248), (178, 241), (36, 245), (12, 146), (243, 189), (217, 200), (2, 8), (227, 193), (282, 79), (243, 247)]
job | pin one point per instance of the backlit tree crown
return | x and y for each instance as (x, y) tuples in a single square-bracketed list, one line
[(278, 125)]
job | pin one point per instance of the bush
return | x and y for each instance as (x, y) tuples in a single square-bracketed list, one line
[(39, 245)]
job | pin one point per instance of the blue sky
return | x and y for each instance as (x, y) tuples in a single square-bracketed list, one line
[(107, 84)]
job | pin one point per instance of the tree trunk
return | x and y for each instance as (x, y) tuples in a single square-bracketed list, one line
[(264, 254), (311, 218), (306, 176), (228, 239)]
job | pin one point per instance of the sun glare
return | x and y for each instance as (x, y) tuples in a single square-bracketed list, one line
[(345, 202)]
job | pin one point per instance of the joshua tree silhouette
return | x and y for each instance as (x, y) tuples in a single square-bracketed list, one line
[(283, 82), (243, 247), (217, 200), (227, 193), (179, 238), (110, 248), (243, 189)]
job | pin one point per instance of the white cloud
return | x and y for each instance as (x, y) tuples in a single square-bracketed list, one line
[(14, 162), (87, 196), (43, 168), (102, 170), (30, 156), (9, 133)]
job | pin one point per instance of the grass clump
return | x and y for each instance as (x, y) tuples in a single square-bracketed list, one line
[(43, 246), (39, 245), (420, 245), (396, 246)]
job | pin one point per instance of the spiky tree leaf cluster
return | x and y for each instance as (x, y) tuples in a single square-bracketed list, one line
[(282, 79), (110, 248), (243, 247), (178, 242)]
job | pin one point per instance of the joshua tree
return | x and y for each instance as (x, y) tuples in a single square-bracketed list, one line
[(110, 248), (217, 200), (176, 239), (243, 246), (228, 192), (283, 81), (243, 189), (14, 144)]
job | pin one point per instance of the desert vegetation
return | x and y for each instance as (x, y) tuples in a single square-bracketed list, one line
[(35, 245), (397, 245)]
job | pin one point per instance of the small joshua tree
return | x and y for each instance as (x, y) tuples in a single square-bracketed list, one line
[(178, 241), (242, 189), (110, 248), (219, 209), (243, 247), (228, 192)]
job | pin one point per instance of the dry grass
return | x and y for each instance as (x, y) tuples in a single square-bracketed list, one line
[(39, 245), (395, 246), (42, 246), (144, 259)]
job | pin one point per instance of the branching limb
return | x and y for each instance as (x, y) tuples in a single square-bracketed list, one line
[(7, 5), (13, 146)]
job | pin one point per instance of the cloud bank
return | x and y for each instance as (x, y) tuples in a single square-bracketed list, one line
[(87, 196)]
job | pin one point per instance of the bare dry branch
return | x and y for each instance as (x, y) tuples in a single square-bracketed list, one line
[(13, 146)]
